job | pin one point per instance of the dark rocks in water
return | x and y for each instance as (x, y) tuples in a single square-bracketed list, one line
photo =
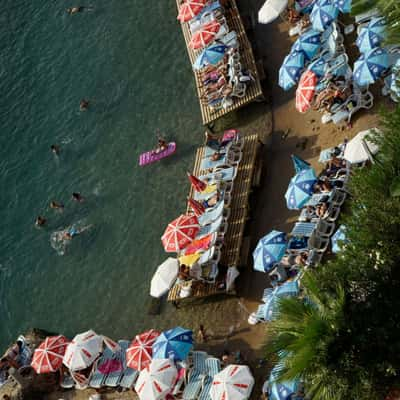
[(154, 307)]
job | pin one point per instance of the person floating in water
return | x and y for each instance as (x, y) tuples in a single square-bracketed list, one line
[(68, 235), (76, 10), (55, 149), (77, 197), (83, 105), (56, 206), (40, 221)]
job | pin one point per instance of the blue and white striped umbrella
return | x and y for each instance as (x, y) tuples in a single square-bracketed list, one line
[(270, 249), (290, 71), (309, 43), (288, 289), (370, 66), (174, 343), (318, 66), (299, 163), (339, 236), (300, 189), (210, 55), (343, 5), (372, 35), (323, 14)]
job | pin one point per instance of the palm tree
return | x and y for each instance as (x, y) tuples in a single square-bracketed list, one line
[(390, 9), (303, 337)]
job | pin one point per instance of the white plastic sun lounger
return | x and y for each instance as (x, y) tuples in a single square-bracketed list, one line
[(211, 214)]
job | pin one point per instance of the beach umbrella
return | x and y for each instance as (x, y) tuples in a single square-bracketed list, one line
[(211, 55), (197, 207), (372, 35), (139, 352), (359, 149), (343, 5), (156, 380), (300, 189), (197, 184), (305, 91), (323, 14), (48, 357), (308, 43), (234, 382), (269, 250), (370, 66), (205, 35), (200, 244), (318, 66), (290, 71), (299, 163), (189, 9), (338, 239), (174, 343), (179, 233), (288, 289), (271, 10), (164, 277), (83, 350)]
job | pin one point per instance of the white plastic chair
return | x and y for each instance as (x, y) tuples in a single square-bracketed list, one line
[(325, 228)]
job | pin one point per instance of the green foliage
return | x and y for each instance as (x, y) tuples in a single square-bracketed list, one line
[(345, 342)]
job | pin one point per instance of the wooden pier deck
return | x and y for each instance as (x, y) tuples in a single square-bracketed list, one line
[(242, 186), (253, 92)]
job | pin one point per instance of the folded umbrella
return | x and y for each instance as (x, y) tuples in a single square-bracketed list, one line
[(197, 184), (189, 9), (306, 90), (197, 207), (205, 35), (370, 66), (299, 163)]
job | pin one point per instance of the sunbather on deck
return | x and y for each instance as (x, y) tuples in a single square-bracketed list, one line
[(212, 201)]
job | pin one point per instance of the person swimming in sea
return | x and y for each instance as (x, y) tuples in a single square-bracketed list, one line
[(56, 206), (55, 149), (83, 105), (68, 235), (40, 221), (77, 197), (76, 10)]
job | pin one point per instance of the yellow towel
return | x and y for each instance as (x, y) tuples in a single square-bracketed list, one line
[(210, 189), (189, 260)]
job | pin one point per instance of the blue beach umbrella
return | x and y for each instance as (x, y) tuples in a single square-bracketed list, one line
[(308, 43), (210, 55), (370, 66), (372, 35), (343, 5), (323, 14), (299, 163), (175, 343), (290, 71), (338, 239), (270, 249), (300, 189), (318, 66)]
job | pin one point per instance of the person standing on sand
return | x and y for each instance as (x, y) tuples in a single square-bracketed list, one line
[(202, 335)]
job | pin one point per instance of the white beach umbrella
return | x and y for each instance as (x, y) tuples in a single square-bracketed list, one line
[(156, 380), (235, 382), (359, 149), (271, 10), (164, 277), (83, 350)]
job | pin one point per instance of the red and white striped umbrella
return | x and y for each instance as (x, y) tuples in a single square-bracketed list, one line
[(138, 354), (204, 35), (305, 91), (189, 9), (198, 184), (48, 357), (179, 233), (196, 206), (235, 382), (156, 380)]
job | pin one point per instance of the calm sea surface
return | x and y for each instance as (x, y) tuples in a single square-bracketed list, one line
[(128, 58)]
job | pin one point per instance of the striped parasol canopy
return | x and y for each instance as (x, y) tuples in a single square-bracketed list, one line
[(180, 232), (205, 35), (305, 91), (189, 9), (139, 353)]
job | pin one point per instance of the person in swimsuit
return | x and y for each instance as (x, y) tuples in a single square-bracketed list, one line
[(77, 197), (40, 221), (76, 10), (56, 206), (55, 149), (83, 105), (70, 234)]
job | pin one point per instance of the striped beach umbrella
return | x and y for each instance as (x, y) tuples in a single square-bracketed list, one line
[(48, 357), (189, 9), (281, 390), (323, 14), (205, 35), (343, 5), (139, 352), (197, 184), (270, 249), (290, 71), (211, 55), (372, 35), (196, 207), (174, 343), (318, 66), (164, 277), (179, 233), (308, 43), (305, 91), (370, 66), (299, 164), (300, 189)]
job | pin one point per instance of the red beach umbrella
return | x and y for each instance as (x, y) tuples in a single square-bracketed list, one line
[(179, 233), (205, 35), (189, 9), (305, 91), (198, 184), (138, 354), (196, 206), (48, 357)]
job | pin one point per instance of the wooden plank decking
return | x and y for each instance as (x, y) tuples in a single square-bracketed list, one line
[(253, 91), (242, 186)]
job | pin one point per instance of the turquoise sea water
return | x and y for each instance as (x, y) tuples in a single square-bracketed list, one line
[(128, 58)]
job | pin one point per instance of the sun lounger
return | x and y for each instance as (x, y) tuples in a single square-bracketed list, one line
[(227, 174), (318, 243), (113, 378), (366, 16), (97, 379), (211, 214), (317, 198), (128, 378), (213, 366), (207, 163), (215, 226), (196, 376), (229, 39), (303, 229)]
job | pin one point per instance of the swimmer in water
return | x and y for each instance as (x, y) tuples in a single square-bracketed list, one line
[(75, 10), (56, 206), (70, 234), (77, 197), (84, 105), (40, 221), (55, 149)]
